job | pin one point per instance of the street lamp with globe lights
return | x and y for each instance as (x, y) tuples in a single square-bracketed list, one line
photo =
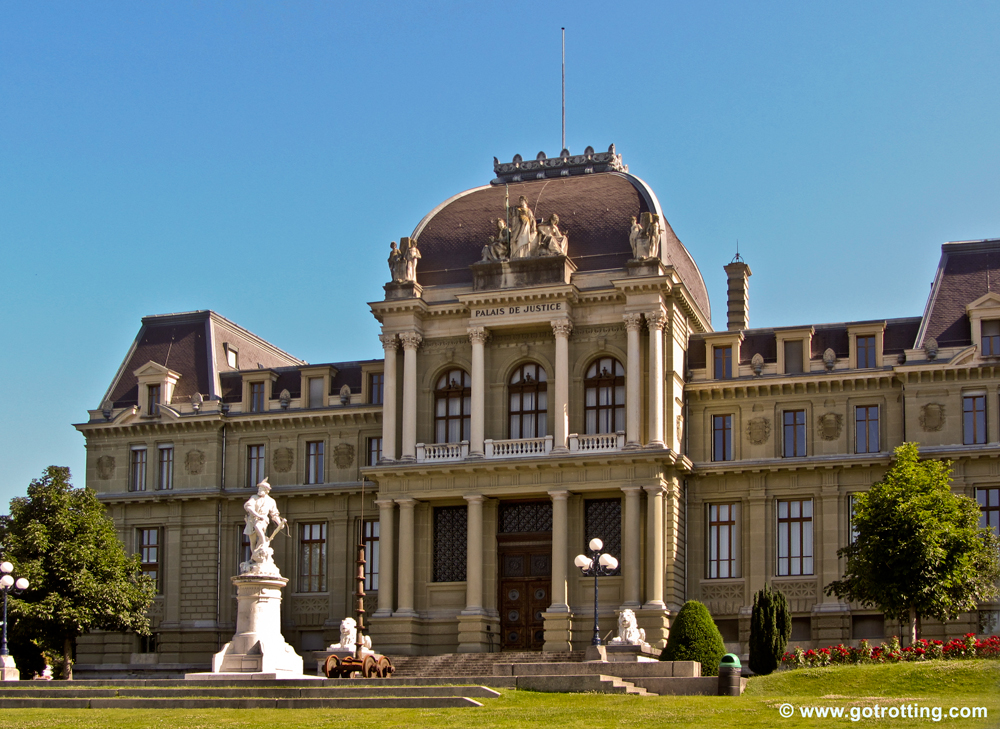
[(8, 584), (598, 565)]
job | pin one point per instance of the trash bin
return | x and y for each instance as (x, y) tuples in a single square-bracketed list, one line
[(730, 673)]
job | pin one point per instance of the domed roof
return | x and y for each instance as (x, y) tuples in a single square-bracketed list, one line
[(594, 210)]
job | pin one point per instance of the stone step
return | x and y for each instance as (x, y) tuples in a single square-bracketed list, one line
[(256, 692), (425, 702)]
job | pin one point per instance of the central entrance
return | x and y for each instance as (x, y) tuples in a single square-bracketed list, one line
[(524, 551)]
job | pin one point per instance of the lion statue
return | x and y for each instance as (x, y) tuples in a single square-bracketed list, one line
[(349, 637), (629, 633)]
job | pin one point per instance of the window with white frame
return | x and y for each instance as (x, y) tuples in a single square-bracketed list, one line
[(137, 469), (866, 429), (255, 465), (722, 541), (374, 451), (165, 467), (794, 433), (314, 461), (312, 557), (369, 537), (150, 554), (989, 508), (795, 537), (722, 437), (974, 418), (316, 392), (990, 333)]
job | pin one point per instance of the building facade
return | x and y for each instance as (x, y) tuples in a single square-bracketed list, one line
[(550, 375)]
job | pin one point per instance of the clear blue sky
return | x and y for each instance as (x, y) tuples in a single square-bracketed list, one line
[(257, 158)]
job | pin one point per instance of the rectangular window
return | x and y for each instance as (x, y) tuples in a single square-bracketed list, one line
[(989, 508), (866, 352), (866, 429), (152, 399), (795, 537), (450, 523), (137, 469), (244, 551), (793, 356), (165, 468), (794, 433), (723, 363), (148, 643), (312, 557), (255, 465), (722, 543), (374, 451), (376, 387), (149, 555), (256, 397), (851, 526), (314, 462), (603, 520), (316, 392), (369, 536), (991, 338), (974, 419), (722, 437)]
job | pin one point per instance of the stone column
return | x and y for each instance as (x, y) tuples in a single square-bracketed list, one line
[(407, 546), (561, 328), (389, 344), (410, 340), (654, 546), (478, 336), (656, 321), (474, 556), (631, 558), (386, 557), (560, 551), (633, 387)]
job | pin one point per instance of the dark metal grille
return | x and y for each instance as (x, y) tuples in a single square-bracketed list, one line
[(449, 543), (535, 516), (604, 521)]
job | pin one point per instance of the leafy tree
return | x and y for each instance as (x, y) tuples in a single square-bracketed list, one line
[(81, 578), (695, 637), (770, 627), (919, 550)]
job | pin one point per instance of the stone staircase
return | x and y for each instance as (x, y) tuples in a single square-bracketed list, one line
[(472, 664)]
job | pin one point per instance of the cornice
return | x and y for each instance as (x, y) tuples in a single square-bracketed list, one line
[(775, 385), (235, 494), (805, 463), (564, 292)]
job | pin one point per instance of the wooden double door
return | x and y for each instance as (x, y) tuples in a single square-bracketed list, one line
[(525, 590)]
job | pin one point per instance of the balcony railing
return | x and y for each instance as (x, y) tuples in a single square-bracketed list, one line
[(517, 447), (598, 443), (437, 452)]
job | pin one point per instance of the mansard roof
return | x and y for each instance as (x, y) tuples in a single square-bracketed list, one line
[(967, 271), (594, 200)]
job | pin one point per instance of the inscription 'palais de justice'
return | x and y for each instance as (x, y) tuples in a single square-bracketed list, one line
[(526, 309)]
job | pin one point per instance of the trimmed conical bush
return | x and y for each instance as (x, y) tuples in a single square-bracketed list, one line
[(770, 627), (694, 637)]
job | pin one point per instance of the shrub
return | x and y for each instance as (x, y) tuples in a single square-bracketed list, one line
[(770, 626), (694, 637), (891, 652)]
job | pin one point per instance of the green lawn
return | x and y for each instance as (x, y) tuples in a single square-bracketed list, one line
[(933, 684)]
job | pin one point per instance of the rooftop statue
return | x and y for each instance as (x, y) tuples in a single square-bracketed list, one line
[(411, 254), (526, 237), (397, 264), (645, 236), (552, 240), (260, 508), (523, 231), (498, 248)]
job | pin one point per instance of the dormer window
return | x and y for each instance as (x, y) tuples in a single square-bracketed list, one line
[(723, 363), (866, 352), (153, 399), (232, 355), (991, 338), (256, 397), (793, 357), (156, 387)]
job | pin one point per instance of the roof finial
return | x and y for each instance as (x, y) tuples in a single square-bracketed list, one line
[(737, 258)]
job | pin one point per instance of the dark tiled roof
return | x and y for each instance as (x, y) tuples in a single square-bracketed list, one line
[(900, 334), (594, 211), (834, 338), (348, 373), (967, 271), (697, 354), (181, 347), (762, 341)]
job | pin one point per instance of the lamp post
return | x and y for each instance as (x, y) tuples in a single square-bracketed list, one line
[(598, 565), (8, 671)]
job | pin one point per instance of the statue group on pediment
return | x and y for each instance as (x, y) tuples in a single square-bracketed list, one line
[(645, 236), (525, 237), (403, 260)]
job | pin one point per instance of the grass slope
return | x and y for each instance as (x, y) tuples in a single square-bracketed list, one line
[(936, 683)]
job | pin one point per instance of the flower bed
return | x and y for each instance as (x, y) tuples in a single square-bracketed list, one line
[(891, 652)]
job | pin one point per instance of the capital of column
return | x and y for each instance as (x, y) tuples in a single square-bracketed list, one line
[(385, 503), (474, 498), (478, 335), (654, 320), (561, 327), (632, 489), (633, 322), (406, 503), (389, 342), (410, 340), (559, 495), (655, 489)]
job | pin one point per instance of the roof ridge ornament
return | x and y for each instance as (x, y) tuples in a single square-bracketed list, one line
[(565, 165)]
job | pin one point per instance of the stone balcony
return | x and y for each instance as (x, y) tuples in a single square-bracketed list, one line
[(520, 447)]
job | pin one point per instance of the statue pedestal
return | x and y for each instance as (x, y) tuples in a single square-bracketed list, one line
[(8, 670), (258, 650)]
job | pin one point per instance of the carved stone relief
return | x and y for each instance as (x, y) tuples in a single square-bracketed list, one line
[(194, 462), (680, 428), (644, 236), (931, 417), (757, 361), (106, 467), (829, 359), (284, 459), (343, 455), (829, 425), (758, 430)]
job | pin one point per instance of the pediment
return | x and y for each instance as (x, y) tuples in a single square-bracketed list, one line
[(987, 301), (155, 370)]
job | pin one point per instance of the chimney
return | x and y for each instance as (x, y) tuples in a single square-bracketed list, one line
[(739, 297)]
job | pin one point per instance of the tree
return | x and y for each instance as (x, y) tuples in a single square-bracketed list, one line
[(695, 637), (918, 550), (770, 627), (81, 578)]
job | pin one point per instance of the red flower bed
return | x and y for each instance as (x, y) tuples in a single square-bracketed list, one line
[(891, 652)]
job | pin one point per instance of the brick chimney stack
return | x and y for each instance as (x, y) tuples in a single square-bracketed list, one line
[(738, 273)]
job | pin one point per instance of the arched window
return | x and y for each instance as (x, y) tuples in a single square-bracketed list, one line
[(528, 402), (604, 400), (452, 407)]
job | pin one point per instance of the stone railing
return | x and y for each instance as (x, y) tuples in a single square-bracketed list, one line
[(436, 452), (597, 443), (517, 447)]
